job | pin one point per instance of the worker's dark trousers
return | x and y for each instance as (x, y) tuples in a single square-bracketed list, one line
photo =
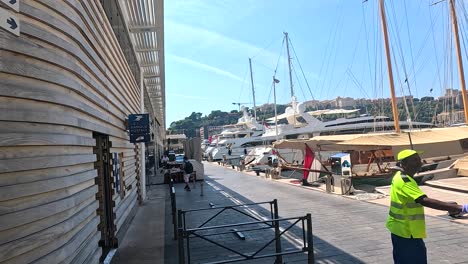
[(408, 250)]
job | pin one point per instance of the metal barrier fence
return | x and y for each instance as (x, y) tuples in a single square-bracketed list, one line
[(173, 206), (185, 234), (174, 203)]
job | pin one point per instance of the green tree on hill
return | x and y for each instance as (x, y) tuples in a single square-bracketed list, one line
[(426, 109)]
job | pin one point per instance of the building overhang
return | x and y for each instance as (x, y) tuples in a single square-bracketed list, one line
[(144, 20)]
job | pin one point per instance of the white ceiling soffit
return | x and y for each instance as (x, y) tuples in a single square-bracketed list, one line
[(144, 19)]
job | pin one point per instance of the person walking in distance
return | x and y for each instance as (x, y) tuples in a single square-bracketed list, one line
[(406, 220), (164, 160), (188, 169)]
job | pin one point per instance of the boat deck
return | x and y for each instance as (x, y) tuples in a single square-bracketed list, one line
[(459, 184), (462, 166)]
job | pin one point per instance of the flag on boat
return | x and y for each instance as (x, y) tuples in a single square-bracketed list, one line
[(308, 160)]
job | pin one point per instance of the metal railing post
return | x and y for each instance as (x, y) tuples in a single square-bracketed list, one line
[(181, 239), (201, 187), (174, 211), (188, 248), (310, 239), (279, 258)]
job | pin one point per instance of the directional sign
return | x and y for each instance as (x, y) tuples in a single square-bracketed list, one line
[(139, 128), (9, 21), (11, 4)]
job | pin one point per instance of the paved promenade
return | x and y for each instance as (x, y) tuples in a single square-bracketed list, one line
[(345, 230)]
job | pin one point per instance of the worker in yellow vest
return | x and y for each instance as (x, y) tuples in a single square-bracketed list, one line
[(406, 216)]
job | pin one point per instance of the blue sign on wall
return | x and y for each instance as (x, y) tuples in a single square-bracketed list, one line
[(139, 128)]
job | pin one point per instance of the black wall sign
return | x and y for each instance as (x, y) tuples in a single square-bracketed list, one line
[(139, 128)]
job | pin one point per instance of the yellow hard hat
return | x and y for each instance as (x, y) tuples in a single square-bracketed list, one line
[(407, 153)]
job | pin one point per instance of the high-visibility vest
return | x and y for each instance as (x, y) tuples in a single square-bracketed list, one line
[(406, 217)]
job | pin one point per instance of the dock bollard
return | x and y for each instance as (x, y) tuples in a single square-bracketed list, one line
[(201, 187), (328, 183)]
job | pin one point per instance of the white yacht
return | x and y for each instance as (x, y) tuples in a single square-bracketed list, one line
[(302, 124), (237, 138), (234, 148)]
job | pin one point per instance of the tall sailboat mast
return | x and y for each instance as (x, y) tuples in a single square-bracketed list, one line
[(293, 99), (459, 57), (275, 81), (389, 66), (289, 63), (253, 89)]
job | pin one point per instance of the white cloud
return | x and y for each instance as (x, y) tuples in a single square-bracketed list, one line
[(188, 96), (202, 38), (204, 67), (210, 13)]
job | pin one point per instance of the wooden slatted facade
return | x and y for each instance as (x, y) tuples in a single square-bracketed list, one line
[(64, 82)]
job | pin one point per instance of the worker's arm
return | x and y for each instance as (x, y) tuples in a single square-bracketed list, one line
[(412, 190), (439, 205)]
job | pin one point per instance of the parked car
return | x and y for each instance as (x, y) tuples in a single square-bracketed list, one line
[(171, 155), (179, 158)]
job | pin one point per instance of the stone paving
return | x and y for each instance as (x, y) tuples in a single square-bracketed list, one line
[(345, 230), (144, 240)]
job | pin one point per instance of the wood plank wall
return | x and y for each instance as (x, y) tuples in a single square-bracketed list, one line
[(62, 79)]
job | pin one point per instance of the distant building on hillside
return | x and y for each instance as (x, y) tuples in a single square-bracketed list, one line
[(176, 142), (363, 101), (400, 99), (312, 103), (453, 95), (449, 118), (201, 133), (342, 102), (206, 132), (213, 130)]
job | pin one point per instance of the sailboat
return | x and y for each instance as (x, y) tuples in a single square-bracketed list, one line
[(304, 125), (239, 139), (385, 179), (459, 59), (385, 175)]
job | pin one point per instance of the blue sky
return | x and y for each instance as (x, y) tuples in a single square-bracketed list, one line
[(338, 44)]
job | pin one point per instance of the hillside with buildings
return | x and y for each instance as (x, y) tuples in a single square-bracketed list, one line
[(442, 111)]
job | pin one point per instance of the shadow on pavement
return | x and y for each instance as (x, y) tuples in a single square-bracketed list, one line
[(220, 195)]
